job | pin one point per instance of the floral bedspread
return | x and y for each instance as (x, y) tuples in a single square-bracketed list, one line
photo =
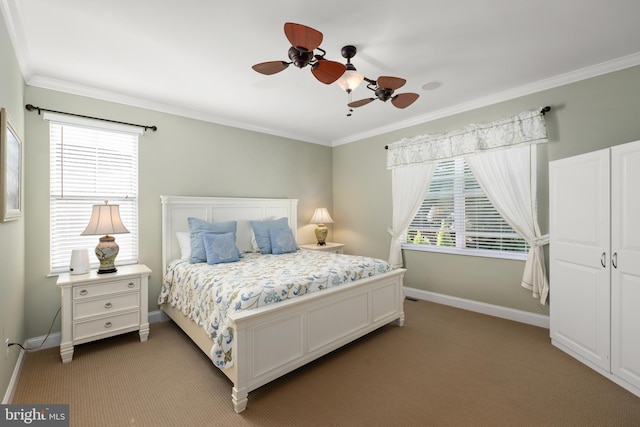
[(207, 294)]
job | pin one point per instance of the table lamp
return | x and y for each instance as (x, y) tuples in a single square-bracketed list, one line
[(105, 220), (321, 217)]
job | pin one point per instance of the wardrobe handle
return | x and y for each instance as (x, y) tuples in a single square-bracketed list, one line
[(603, 259), (614, 260)]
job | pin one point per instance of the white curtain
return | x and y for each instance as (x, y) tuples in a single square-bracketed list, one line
[(514, 194), (508, 177), (409, 185)]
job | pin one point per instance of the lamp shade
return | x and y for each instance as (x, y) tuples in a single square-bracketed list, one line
[(105, 220), (321, 216), (350, 80)]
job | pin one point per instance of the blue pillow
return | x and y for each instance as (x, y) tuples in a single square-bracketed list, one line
[(261, 232), (282, 241), (220, 248), (198, 228)]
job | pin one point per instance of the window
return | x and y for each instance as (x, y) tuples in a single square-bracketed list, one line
[(456, 216), (88, 166)]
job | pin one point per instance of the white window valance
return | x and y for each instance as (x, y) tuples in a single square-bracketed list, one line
[(527, 127)]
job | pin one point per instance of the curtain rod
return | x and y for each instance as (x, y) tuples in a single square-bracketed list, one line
[(544, 111), (30, 107)]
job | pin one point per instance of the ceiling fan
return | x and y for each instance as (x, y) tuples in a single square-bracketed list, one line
[(384, 88), (304, 41)]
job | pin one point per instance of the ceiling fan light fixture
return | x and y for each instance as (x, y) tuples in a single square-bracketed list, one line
[(350, 80)]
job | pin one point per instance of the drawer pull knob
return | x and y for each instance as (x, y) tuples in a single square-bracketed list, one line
[(84, 292), (131, 284), (108, 305), (107, 325)]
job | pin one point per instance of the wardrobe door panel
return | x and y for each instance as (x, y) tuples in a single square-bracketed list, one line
[(625, 272), (579, 256)]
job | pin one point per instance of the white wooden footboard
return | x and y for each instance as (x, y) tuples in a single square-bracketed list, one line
[(275, 340)]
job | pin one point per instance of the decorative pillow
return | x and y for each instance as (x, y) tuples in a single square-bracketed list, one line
[(261, 232), (282, 241), (184, 241), (199, 227), (220, 248)]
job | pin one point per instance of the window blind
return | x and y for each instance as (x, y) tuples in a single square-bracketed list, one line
[(456, 214), (88, 166)]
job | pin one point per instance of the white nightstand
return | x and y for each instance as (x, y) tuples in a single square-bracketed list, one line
[(96, 306), (329, 247)]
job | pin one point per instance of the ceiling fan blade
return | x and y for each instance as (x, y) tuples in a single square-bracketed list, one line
[(388, 82), (403, 100), (302, 36), (270, 67), (360, 102), (328, 71)]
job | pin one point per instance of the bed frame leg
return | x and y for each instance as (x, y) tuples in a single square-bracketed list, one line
[(239, 399)]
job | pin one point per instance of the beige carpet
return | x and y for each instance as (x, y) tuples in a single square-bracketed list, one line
[(444, 367)]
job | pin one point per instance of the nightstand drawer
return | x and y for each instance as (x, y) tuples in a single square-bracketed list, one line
[(110, 304), (106, 325), (86, 291)]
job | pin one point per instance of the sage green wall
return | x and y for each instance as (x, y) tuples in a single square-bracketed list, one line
[(588, 115), (184, 157), (12, 255)]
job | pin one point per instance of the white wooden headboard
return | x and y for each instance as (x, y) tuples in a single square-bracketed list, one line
[(176, 210)]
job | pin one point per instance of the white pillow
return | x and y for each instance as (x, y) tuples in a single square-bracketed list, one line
[(184, 240), (254, 243)]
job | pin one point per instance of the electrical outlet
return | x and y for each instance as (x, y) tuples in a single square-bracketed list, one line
[(6, 348)]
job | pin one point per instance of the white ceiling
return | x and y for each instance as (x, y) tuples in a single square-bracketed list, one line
[(194, 57)]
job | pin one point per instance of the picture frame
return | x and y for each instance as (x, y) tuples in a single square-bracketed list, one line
[(10, 169)]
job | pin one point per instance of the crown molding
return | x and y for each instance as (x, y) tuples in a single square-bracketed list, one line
[(528, 89)]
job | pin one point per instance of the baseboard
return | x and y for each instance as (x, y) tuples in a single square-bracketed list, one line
[(480, 307), (13, 383), (53, 340)]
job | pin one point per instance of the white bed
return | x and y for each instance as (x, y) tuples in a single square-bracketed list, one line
[(275, 339)]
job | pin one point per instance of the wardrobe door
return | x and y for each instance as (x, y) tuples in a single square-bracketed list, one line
[(579, 234), (625, 272)]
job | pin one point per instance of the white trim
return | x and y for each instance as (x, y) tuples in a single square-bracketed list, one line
[(528, 89), (485, 253), (13, 383), (480, 307), (12, 14), (91, 92), (52, 341)]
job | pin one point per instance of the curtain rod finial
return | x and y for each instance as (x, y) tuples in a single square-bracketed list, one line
[(30, 107), (545, 110)]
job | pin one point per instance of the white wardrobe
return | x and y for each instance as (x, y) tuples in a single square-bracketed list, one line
[(594, 228)]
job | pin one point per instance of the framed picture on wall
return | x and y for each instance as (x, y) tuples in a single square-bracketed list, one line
[(10, 169)]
